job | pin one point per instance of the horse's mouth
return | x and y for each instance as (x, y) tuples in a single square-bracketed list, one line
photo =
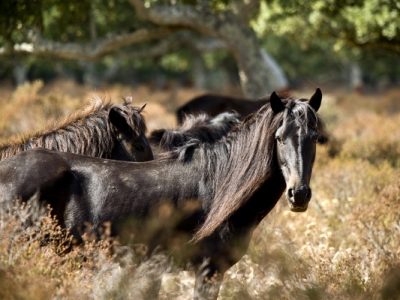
[(298, 208)]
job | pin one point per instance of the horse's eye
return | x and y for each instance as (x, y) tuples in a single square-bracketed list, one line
[(278, 138), (322, 139)]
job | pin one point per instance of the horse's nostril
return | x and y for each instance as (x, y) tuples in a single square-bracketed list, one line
[(290, 193), (300, 195)]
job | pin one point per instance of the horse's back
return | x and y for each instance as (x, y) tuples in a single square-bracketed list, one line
[(213, 105), (32, 164), (35, 172), (208, 103)]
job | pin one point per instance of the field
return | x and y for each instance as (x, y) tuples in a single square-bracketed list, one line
[(346, 246)]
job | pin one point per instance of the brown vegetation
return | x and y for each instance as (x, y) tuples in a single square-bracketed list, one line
[(346, 246)]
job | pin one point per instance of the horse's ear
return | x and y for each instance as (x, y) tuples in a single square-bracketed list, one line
[(276, 103), (142, 108), (315, 100), (119, 119)]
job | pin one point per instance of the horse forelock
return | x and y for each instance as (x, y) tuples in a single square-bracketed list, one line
[(302, 114), (248, 161)]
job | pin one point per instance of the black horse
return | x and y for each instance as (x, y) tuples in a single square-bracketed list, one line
[(101, 130), (220, 192), (213, 104)]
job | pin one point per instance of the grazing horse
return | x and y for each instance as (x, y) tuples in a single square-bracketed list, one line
[(219, 191), (102, 130), (201, 127), (213, 104)]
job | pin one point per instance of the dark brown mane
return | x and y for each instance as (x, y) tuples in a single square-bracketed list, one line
[(86, 132), (196, 129), (249, 152)]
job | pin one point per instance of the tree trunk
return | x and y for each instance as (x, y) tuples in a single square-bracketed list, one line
[(90, 75), (258, 73), (356, 81), (20, 72), (198, 71), (276, 75)]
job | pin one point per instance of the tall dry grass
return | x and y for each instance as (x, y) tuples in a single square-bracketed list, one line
[(346, 246)]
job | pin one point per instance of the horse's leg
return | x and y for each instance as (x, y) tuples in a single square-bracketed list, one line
[(208, 281)]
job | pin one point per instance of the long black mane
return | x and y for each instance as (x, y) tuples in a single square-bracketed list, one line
[(242, 161)]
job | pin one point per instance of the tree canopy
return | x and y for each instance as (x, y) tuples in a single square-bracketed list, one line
[(360, 23), (265, 39)]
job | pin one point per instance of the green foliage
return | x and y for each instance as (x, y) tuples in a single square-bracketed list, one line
[(16, 17), (316, 62), (318, 40), (355, 22), (313, 41), (64, 21)]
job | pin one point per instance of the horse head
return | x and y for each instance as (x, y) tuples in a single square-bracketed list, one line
[(296, 140), (129, 129)]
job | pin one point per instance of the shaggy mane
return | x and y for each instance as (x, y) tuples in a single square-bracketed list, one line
[(86, 132), (96, 105), (194, 130)]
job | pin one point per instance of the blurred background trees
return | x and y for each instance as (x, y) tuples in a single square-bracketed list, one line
[(261, 45)]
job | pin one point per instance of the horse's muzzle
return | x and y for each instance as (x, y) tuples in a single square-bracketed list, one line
[(298, 198)]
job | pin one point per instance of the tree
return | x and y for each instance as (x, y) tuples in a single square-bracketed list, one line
[(354, 23), (347, 33), (154, 27)]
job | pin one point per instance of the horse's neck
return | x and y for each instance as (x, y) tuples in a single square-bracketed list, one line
[(237, 230), (173, 181), (244, 221), (263, 200)]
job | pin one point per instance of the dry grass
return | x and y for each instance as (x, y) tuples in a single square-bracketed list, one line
[(346, 246)]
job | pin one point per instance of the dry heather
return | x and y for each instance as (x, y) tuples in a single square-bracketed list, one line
[(346, 246)]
